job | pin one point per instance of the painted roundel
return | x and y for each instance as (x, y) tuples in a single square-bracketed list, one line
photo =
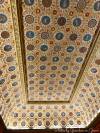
[(3, 18), (46, 3), (45, 35), (30, 34), (93, 70), (64, 4), (43, 58), (29, 19), (77, 22), (57, 48), (81, 5), (30, 58), (45, 20), (68, 59), (87, 37), (64, 67), (30, 47), (73, 37), (29, 2), (97, 6), (79, 59), (55, 59), (61, 21), (83, 49), (7, 48), (70, 49), (9, 59), (44, 47), (92, 23), (42, 67), (5, 34), (52, 76), (59, 36), (11, 68)]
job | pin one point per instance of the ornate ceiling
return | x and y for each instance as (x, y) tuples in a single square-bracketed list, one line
[(49, 63)]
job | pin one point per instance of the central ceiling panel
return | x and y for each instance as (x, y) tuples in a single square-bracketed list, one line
[(57, 37), (51, 49)]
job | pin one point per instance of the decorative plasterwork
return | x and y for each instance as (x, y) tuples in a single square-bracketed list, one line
[(56, 40), (15, 107)]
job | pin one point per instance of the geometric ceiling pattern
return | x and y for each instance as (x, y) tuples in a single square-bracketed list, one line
[(49, 63), (57, 39)]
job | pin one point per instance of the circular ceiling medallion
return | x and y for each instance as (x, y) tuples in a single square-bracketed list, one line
[(53, 67), (55, 59), (87, 37), (29, 2), (83, 49), (11, 68), (52, 76), (7, 48), (43, 67), (61, 21), (65, 67), (44, 47), (79, 59), (64, 4), (81, 5), (45, 20), (9, 59), (43, 58), (30, 47), (92, 23), (30, 34), (46, 3), (44, 35), (30, 58), (97, 6), (77, 22), (93, 70), (59, 36), (57, 48), (71, 122), (3, 18), (73, 37), (29, 19), (31, 75), (5, 34), (68, 59), (13, 76), (70, 49)]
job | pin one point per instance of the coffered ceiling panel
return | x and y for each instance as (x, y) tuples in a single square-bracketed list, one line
[(57, 37), (49, 63)]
